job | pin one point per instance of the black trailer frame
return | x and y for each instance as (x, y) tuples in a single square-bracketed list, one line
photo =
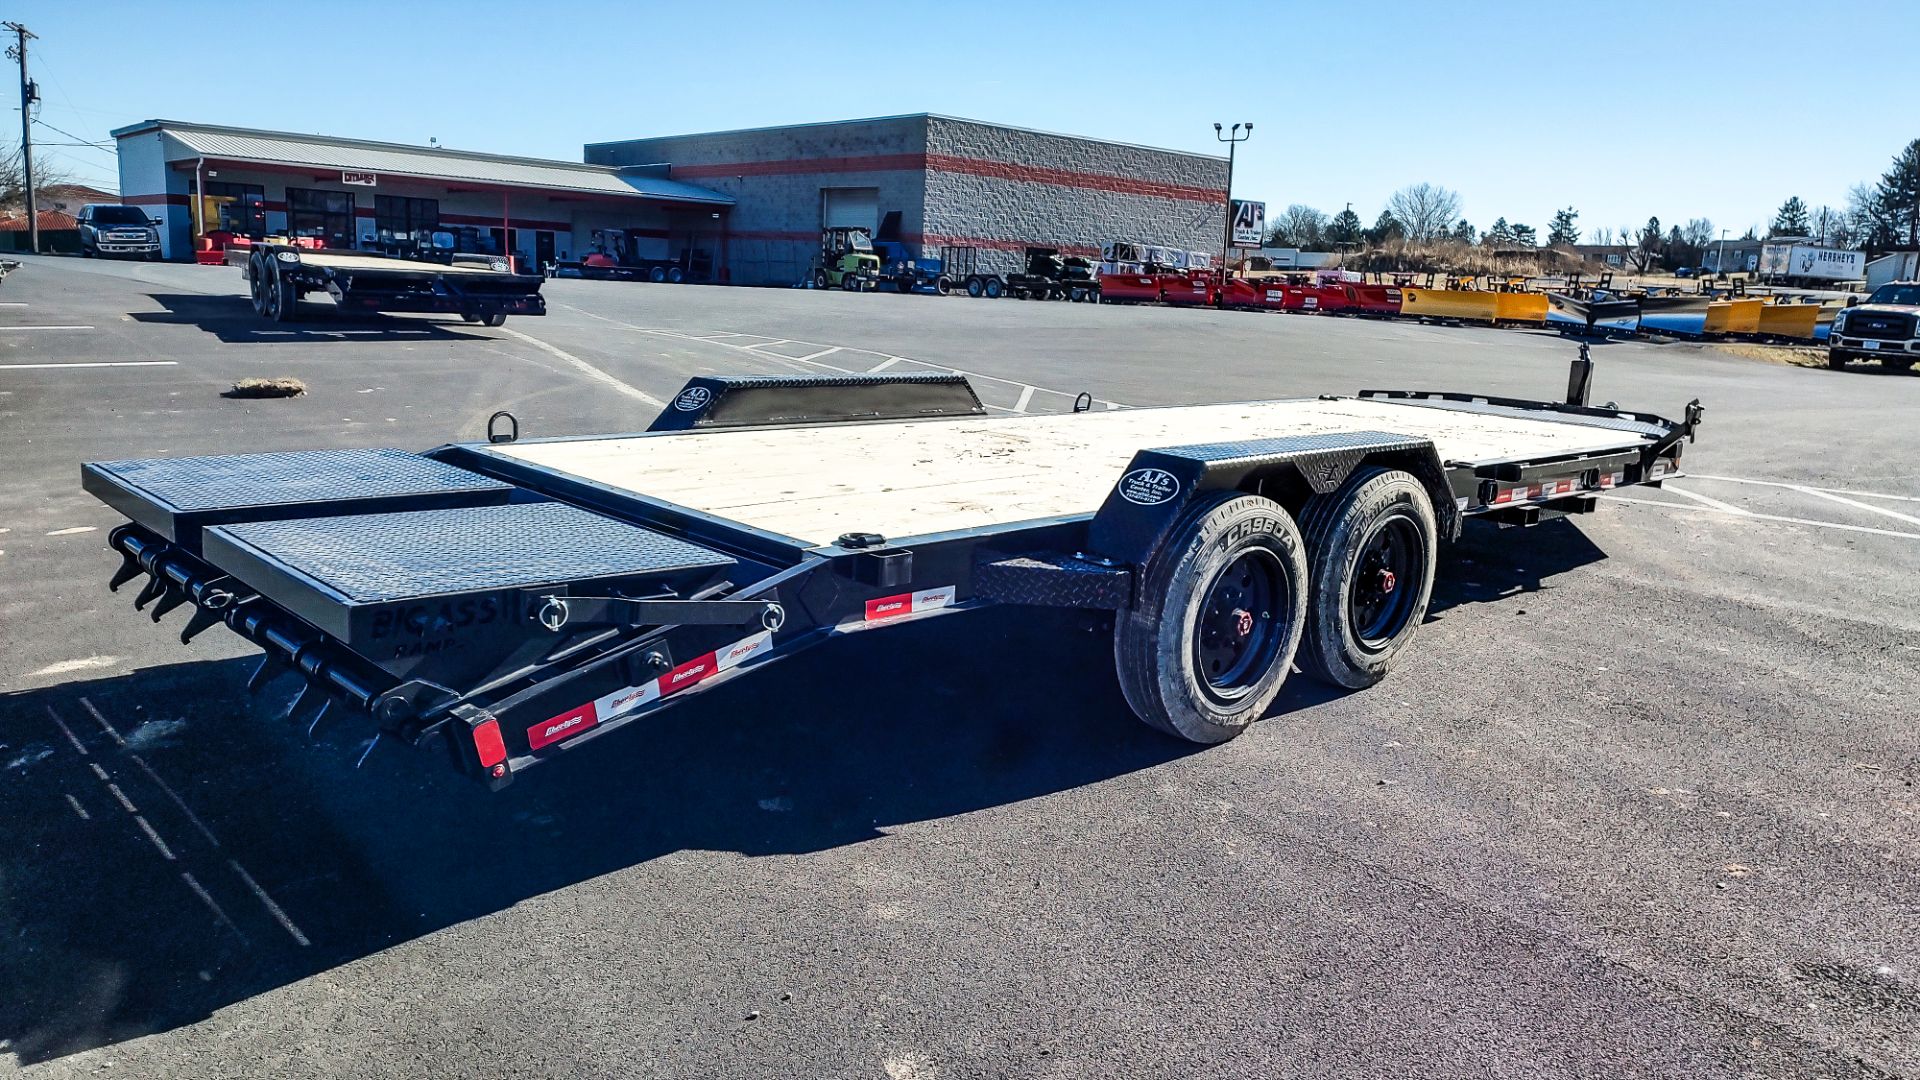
[(362, 570), (279, 275)]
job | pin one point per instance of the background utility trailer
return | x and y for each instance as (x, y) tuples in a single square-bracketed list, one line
[(517, 599), (279, 275)]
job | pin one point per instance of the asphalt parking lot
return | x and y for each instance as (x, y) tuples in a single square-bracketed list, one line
[(1641, 801)]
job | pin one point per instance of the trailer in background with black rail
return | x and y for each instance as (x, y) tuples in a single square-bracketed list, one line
[(279, 275), (519, 599)]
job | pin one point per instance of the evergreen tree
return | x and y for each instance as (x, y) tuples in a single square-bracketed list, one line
[(1524, 236), (1791, 220), (1562, 230), (1501, 233), (1899, 195), (1385, 227), (1345, 229), (1463, 231)]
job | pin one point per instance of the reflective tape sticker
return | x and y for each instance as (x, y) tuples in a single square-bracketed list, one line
[(883, 608), (695, 671), (621, 702), (741, 651), (566, 725)]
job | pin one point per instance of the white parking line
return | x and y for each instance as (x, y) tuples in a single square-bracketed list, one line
[(1783, 484), (94, 363), (267, 902), (1751, 516), (586, 369), (12, 328), (1704, 501), (1858, 505), (811, 357), (885, 364), (1026, 398)]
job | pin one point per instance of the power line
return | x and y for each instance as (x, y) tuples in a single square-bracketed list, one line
[(82, 141)]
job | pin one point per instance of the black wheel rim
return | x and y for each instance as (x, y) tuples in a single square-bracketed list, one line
[(1386, 582), (1242, 623)]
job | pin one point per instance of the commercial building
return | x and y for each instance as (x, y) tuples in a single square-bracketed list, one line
[(937, 181), (743, 206), (198, 178)]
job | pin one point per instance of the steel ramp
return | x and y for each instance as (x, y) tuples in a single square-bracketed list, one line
[(178, 497), (449, 577)]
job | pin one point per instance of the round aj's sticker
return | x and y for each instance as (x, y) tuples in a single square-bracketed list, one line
[(1148, 487), (693, 399)]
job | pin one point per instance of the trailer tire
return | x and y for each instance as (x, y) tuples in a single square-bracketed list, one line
[(1372, 545), (994, 288), (282, 296), (943, 286), (498, 318), (257, 285), (676, 276), (975, 287), (1192, 661)]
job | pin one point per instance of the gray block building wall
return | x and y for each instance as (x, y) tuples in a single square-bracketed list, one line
[(955, 182), (778, 176), (1002, 189)]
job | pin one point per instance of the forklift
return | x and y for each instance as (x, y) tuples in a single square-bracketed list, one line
[(846, 260)]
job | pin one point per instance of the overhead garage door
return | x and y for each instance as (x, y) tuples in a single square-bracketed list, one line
[(850, 207)]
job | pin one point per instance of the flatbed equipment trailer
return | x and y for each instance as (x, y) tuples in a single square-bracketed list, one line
[(514, 600), (280, 274)]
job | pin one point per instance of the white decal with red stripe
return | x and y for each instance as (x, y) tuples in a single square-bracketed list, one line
[(882, 608), (620, 702)]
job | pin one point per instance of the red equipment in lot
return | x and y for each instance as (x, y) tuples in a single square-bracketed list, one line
[(1136, 288), (1190, 287)]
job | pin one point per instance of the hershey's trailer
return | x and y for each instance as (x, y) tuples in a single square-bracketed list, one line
[(519, 599)]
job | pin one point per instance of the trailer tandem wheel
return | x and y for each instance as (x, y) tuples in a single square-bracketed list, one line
[(1371, 545), (257, 285), (282, 295), (1220, 612)]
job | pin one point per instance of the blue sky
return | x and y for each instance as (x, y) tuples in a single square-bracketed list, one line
[(1621, 110)]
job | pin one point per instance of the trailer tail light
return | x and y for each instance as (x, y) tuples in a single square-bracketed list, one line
[(488, 744)]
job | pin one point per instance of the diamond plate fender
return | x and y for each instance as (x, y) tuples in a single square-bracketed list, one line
[(1158, 484)]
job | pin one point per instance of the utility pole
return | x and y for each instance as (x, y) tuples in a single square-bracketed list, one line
[(1233, 139), (29, 93)]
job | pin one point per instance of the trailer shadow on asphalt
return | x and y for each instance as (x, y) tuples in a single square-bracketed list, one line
[(1489, 563), (125, 910), (185, 847), (233, 321)]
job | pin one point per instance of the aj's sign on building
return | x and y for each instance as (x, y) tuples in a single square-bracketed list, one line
[(1249, 223)]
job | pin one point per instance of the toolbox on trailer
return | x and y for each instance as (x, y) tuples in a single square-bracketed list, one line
[(517, 599)]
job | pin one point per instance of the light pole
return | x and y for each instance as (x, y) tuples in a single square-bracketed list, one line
[(1233, 139)]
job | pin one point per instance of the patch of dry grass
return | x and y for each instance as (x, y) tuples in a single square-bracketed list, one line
[(266, 388), (1797, 355)]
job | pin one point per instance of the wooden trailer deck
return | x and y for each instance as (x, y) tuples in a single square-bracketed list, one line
[(912, 478)]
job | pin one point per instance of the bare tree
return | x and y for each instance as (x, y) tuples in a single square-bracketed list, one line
[(13, 183), (1299, 226), (1424, 210), (1603, 237), (1696, 233)]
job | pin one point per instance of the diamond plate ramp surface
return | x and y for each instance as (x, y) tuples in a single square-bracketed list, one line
[(177, 497), (373, 558)]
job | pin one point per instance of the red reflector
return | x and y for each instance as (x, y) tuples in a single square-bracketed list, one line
[(488, 743)]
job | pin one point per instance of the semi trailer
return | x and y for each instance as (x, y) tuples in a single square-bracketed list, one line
[(512, 601)]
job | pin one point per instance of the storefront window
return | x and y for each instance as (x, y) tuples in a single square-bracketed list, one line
[(324, 214), (235, 208), (399, 215)]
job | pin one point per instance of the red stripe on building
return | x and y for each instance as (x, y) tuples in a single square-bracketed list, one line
[(999, 170), (1035, 174), (494, 220), (792, 166), (155, 200)]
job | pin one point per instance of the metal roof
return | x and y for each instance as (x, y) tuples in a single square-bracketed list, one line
[(188, 141)]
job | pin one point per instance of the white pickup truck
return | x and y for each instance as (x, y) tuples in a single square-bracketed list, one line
[(1885, 328)]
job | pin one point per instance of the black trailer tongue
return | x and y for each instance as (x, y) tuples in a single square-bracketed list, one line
[(439, 578)]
